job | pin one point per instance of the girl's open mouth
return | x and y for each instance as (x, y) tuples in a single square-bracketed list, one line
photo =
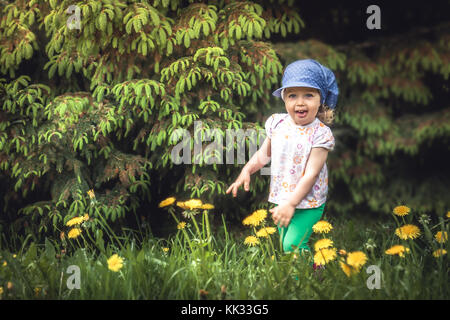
[(301, 114)]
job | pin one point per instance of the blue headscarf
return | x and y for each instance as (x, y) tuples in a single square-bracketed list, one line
[(310, 73)]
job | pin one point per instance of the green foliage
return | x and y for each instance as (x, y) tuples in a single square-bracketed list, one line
[(118, 87), (114, 91)]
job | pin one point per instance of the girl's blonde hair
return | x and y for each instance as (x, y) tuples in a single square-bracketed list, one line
[(325, 114)]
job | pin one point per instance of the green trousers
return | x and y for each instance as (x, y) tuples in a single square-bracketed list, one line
[(296, 235)]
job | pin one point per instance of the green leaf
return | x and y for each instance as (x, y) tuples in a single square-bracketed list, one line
[(31, 255), (238, 32), (50, 251), (162, 36), (187, 40), (154, 17)]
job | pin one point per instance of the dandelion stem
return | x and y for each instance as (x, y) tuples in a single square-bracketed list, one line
[(208, 230), (225, 229), (271, 244), (183, 230), (109, 228), (196, 227)]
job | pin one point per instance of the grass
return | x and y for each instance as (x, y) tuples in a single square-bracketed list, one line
[(206, 260)]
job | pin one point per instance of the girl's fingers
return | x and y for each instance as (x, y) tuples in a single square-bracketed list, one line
[(232, 187), (279, 220), (235, 188), (275, 218)]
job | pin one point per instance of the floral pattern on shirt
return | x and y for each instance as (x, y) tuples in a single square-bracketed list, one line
[(291, 146)]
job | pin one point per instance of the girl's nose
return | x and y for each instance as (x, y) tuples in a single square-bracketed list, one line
[(300, 101)]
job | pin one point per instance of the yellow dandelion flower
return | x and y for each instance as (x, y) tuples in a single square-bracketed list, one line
[(5, 263), (260, 215), (322, 227), (401, 211), (448, 214), (348, 270), (91, 193), (356, 259), (181, 225), (75, 221), (115, 263), (86, 217), (408, 231), (439, 252), (323, 256), (251, 241), (193, 204), (322, 244), (249, 221), (441, 237), (207, 206), (265, 232), (182, 205), (397, 249), (1, 291), (37, 290), (255, 218), (166, 249), (166, 202), (73, 233), (14, 255)]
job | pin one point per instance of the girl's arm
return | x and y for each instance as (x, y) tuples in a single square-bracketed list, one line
[(283, 213), (259, 160), (314, 165)]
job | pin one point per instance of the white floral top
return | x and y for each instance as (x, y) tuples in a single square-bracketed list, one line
[(291, 146)]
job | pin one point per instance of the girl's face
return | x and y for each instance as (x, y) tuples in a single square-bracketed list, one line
[(302, 104)]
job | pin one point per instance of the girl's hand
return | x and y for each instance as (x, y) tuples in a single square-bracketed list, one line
[(244, 178), (282, 214)]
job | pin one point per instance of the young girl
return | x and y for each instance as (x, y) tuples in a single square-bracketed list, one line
[(297, 145)]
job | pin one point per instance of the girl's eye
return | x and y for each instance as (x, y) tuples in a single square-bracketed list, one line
[(307, 95)]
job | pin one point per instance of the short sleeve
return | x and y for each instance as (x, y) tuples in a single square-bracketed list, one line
[(271, 123), (323, 138)]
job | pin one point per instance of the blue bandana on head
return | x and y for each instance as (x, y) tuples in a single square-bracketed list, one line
[(310, 73)]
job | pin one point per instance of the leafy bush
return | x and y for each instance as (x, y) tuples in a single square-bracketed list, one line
[(118, 86)]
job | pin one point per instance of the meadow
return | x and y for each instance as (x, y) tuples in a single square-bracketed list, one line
[(402, 257)]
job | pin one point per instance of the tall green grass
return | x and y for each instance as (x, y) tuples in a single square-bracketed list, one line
[(209, 261)]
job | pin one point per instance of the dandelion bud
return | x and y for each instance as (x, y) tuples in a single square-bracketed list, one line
[(424, 219), (203, 294), (223, 292)]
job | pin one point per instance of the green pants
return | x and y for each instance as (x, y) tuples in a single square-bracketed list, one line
[(296, 234)]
